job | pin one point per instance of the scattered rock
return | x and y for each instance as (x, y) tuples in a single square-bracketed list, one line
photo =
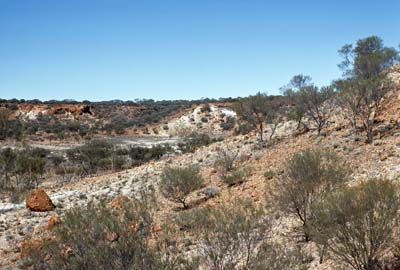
[(119, 202), (53, 221), (112, 236)]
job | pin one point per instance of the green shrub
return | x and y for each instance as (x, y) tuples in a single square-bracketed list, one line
[(230, 234), (237, 236), (92, 156), (243, 129), (21, 170), (228, 124), (140, 155), (204, 119), (178, 182), (235, 177), (276, 256), (308, 175), (211, 191), (269, 174), (195, 140), (358, 225), (205, 108)]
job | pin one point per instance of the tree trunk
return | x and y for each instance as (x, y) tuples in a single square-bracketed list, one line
[(368, 129), (322, 254), (261, 131)]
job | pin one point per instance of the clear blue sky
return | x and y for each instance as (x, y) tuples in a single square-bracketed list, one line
[(178, 49)]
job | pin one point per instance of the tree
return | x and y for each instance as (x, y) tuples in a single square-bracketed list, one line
[(357, 224), (308, 175), (4, 122), (309, 102), (365, 81), (29, 166), (313, 102), (260, 109), (178, 182), (7, 165)]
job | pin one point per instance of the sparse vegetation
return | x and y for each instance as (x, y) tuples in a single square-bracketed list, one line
[(234, 205), (99, 237)]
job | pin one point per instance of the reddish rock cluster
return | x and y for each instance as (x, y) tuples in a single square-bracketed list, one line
[(39, 201)]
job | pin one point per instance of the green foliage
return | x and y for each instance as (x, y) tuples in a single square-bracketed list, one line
[(269, 174), (236, 177), (10, 128), (358, 225), (243, 129), (178, 182), (313, 101), (204, 119), (29, 166), (140, 155), (211, 191), (93, 155), (310, 102), (7, 164), (308, 176), (259, 110), (21, 170)]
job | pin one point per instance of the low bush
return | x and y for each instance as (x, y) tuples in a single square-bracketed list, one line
[(243, 129), (308, 175), (358, 225), (178, 182), (236, 177), (211, 191), (269, 174), (21, 169), (225, 161), (139, 155), (195, 140), (206, 108), (92, 156), (204, 119), (228, 124)]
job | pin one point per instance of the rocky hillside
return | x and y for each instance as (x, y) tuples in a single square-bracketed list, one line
[(19, 225)]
